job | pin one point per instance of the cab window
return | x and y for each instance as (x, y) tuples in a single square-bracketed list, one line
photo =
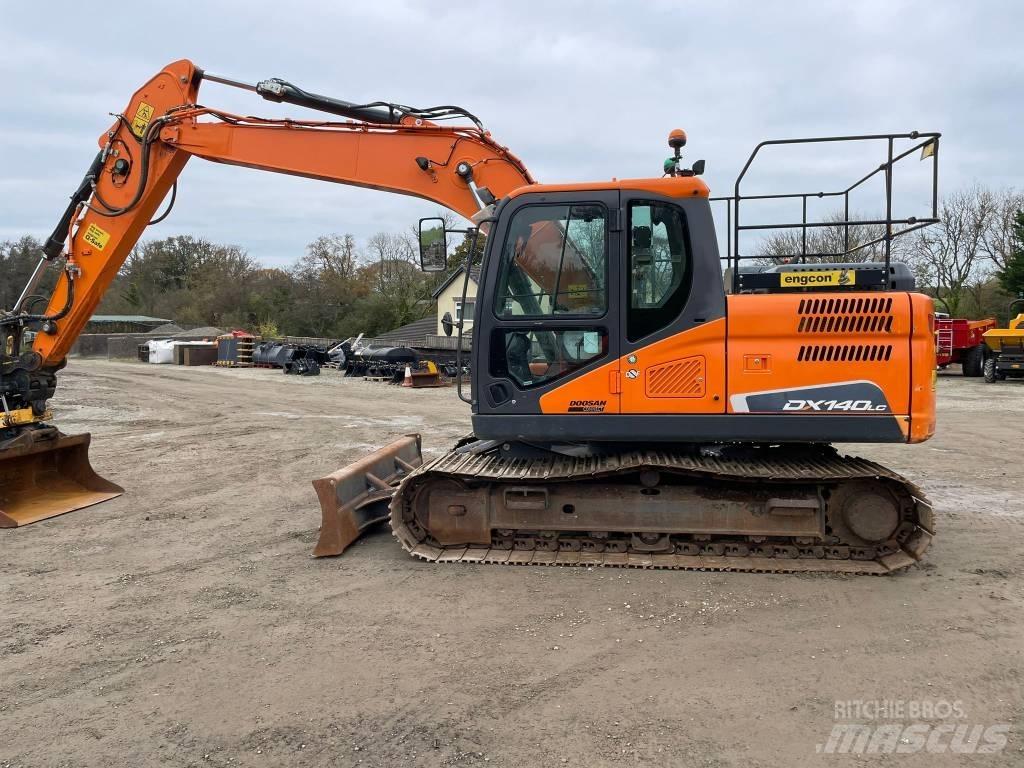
[(554, 262), (533, 357), (660, 269)]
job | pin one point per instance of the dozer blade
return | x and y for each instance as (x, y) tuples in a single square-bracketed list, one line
[(44, 474), (356, 497)]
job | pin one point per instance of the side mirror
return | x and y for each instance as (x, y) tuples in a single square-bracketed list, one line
[(433, 245), (698, 168)]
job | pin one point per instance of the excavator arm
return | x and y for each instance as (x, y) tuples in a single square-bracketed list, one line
[(382, 146), (144, 152)]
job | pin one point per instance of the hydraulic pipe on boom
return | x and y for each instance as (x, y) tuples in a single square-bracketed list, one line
[(393, 147)]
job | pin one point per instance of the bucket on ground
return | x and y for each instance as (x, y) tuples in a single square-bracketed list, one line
[(44, 473)]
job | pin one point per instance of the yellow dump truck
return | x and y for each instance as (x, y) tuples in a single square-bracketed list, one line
[(1004, 353)]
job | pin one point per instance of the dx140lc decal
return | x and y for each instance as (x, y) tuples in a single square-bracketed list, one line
[(840, 397)]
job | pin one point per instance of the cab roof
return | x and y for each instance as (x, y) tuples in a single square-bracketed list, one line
[(669, 186)]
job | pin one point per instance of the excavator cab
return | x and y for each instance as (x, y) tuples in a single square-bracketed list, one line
[(593, 286)]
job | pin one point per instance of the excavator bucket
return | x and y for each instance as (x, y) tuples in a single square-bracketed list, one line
[(44, 474), (357, 496)]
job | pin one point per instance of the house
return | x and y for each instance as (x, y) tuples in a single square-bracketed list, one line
[(449, 298), (428, 334)]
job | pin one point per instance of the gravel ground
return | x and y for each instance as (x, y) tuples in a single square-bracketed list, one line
[(186, 623)]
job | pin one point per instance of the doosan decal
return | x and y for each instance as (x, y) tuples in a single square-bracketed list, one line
[(587, 406)]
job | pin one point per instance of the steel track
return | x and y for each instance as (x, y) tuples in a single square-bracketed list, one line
[(749, 467)]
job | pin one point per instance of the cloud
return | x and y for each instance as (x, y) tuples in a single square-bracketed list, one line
[(579, 90)]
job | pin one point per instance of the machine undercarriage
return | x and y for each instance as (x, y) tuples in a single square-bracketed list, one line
[(705, 507)]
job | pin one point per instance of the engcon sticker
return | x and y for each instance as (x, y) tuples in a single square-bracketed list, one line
[(814, 279), (96, 237), (142, 117)]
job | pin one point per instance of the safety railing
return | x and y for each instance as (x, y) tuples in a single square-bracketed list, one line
[(925, 142)]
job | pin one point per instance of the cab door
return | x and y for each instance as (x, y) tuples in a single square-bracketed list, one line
[(672, 321), (548, 311)]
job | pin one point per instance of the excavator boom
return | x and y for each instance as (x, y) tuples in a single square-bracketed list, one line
[(393, 148)]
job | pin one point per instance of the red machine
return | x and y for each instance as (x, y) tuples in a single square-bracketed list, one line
[(960, 341)]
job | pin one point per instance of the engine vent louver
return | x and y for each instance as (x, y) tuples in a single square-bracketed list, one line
[(833, 305), (844, 353), (845, 315)]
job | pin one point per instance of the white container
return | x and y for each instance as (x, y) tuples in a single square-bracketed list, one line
[(161, 352)]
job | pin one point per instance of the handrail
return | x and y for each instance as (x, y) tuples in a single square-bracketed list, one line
[(734, 226)]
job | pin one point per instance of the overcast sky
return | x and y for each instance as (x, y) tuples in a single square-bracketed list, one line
[(581, 91)]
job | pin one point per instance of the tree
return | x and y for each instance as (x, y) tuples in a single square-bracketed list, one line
[(325, 286), (1000, 237), (393, 266), (193, 281), (335, 254), (948, 256), (1011, 276), (18, 259), (828, 244)]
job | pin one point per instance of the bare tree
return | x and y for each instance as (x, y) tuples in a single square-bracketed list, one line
[(836, 242), (393, 253), (335, 254), (997, 240), (948, 256)]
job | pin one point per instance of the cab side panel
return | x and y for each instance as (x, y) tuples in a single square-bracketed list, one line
[(683, 373)]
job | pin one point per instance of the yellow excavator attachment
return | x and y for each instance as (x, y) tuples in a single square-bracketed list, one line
[(357, 496), (44, 473)]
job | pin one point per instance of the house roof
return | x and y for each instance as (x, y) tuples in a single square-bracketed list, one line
[(416, 331), (127, 319), (474, 275)]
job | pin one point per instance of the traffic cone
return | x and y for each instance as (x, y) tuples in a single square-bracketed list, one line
[(408, 377)]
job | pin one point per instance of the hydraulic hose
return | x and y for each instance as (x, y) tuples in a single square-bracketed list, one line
[(21, 318), (55, 243)]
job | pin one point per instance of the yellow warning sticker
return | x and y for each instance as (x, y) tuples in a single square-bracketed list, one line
[(96, 237), (815, 279), (142, 117)]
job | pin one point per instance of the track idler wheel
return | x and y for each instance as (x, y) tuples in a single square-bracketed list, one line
[(864, 514)]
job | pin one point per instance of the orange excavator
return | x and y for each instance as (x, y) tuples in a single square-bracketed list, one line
[(629, 407)]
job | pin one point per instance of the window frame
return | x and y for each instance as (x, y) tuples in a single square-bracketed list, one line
[(555, 317), (503, 332), (471, 301), (688, 277)]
